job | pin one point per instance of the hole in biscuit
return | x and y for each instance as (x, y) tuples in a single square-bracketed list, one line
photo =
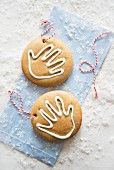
[(43, 40), (35, 115)]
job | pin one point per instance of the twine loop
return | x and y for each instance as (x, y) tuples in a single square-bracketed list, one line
[(93, 67)]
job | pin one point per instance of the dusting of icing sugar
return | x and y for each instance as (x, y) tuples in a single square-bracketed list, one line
[(105, 123), (70, 29), (99, 148), (14, 36), (111, 140)]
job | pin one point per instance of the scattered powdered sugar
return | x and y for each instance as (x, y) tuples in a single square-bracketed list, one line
[(99, 148), (111, 140), (93, 146), (105, 123), (26, 164)]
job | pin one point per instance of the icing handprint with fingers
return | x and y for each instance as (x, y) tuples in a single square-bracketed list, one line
[(47, 63), (55, 113), (51, 55)]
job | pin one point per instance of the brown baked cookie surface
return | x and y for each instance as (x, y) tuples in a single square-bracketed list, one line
[(57, 116), (47, 63)]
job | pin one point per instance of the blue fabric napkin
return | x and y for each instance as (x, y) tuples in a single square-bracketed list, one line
[(17, 131)]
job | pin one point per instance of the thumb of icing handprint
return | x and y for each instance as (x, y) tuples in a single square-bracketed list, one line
[(50, 55), (55, 116)]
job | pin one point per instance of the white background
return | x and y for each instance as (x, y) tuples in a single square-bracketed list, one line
[(93, 147)]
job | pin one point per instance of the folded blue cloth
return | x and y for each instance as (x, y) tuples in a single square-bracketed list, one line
[(17, 131)]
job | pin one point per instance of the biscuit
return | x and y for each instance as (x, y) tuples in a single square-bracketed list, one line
[(57, 116), (47, 63)]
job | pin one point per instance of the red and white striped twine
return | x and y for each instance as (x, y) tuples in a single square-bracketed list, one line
[(22, 112), (20, 107), (49, 26), (92, 68)]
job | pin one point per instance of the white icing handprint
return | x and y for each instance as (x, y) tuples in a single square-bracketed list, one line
[(56, 112), (52, 54)]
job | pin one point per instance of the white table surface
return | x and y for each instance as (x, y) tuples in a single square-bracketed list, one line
[(19, 22)]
